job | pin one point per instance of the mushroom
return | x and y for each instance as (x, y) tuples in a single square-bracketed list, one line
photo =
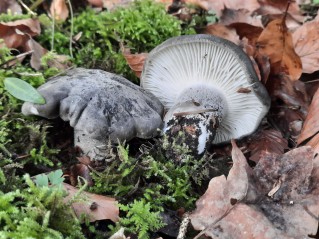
[(208, 87), (100, 106)]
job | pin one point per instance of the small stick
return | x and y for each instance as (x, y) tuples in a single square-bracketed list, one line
[(194, 112), (27, 8), (17, 57), (183, 227)]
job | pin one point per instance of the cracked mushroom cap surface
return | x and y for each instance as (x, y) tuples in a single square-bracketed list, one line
[(100, 106), (197, 62)]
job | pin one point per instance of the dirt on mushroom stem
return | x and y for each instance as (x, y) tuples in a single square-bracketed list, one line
[(197, 131)]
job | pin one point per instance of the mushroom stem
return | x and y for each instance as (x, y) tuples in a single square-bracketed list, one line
[(89, 145), (197, 113)]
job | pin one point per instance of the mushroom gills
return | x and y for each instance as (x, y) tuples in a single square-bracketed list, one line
[(197, 112)]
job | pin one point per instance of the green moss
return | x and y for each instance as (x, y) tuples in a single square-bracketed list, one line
[(37, 212), (152, 179), (140, 219), (9, 17), (141, 26)]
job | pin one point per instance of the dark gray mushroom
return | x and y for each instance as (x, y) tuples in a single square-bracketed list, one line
[(200, 81), (100, 106)]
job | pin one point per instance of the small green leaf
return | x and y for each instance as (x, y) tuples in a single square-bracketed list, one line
[(23, 90), (42, 180), (56, 178)]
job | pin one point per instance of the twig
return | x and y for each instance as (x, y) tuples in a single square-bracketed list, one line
[(17, 57), (28, 74), (53, 30), (27, 8), (311, 81), (36, 4), (194, 112), (71, 30), (286, 13), (183, 227)]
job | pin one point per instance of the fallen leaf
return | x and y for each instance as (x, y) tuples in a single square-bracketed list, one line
[(264, 67), (96, 3), (292, 93), (290, 103), (218, 6), (59, 10), (61, 62), (95, 206), (293, 169), (306, 44), (256, 215), (84, 159), (266, 142), (291, 23), (80, 170), (15, 34), (223, 192), (222, 31), (276, 42), (110, 4), (10, 6), (38, 52), (135, 61), (248, 31), (311, 124), (274, 7), (230, 16), (314, 143)]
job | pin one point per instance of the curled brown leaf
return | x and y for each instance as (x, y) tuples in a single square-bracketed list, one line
[(276, 42)]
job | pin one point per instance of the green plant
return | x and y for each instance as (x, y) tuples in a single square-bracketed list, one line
[(9, 17), (152, 179), (41, 155), (140, 219), (37, 212), (23, 90), (141, 26)]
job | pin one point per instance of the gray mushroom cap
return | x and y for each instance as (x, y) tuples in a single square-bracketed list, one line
[(100, 106), (187, 64)]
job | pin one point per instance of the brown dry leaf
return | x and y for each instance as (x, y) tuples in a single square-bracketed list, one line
[(96, 3), (266, 142), (290, 22), (38, 52), (314, 143), (311, 124), (248, 31), (230, 16), (289, 105), (59, 10), (292, 169), (276, 43), (18, 34), (264, 67), (80, 170), (275, 7), (95, 206), (135, 61), (10, 6), (110, 4), (306, 44), (61, 62), (258, 216), (224, 192), (15, 34), (218, 6), (222, 31)]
